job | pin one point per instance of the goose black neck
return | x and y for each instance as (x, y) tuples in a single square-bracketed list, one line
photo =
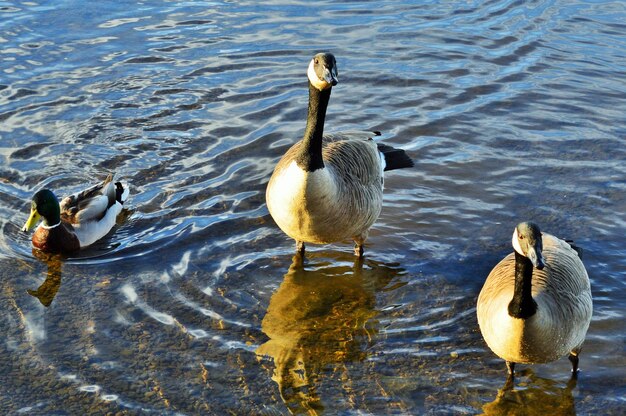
[(522, 305), (310, 155)]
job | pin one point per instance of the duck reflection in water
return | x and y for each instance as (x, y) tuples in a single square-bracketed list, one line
[(49, 288), (318, 321), (536, 396)]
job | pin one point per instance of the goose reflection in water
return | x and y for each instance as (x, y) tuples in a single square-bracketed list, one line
[(535, 396), (318, 321), (49, 288)]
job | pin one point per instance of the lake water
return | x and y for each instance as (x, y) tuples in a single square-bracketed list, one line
[(512, 110)]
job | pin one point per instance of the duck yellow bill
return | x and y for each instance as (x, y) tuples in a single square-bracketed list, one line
[(32, 220)]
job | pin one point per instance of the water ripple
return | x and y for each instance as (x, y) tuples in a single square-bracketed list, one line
[(512, 110)]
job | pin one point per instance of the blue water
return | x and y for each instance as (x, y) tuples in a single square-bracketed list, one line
[(512, 111)]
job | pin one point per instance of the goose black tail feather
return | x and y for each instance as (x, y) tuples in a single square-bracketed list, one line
[(579, 250), (395, 158)]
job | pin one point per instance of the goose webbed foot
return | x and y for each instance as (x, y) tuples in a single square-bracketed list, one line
[(300, 247)]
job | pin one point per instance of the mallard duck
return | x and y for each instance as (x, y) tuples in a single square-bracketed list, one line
[(79, 220), (328, 188), (536, 305)]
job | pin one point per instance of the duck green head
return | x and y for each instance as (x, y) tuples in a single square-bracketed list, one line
[(45, 205)]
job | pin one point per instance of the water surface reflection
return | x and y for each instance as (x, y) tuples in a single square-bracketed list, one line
[(533, 395), (317, 321), (49, 288)]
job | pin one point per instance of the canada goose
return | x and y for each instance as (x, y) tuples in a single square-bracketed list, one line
[(79, 220), (327, 188), (536, 306)]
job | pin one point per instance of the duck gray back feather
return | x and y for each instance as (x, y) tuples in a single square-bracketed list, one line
[(89, 204)]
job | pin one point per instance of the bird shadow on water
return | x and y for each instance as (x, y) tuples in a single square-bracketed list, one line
[(318, 321), (529, 394)]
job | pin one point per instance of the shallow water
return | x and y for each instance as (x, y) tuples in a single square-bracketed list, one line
[(512, 111)]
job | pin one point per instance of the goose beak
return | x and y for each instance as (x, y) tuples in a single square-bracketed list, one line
[(330, 76), (33, 219), (536, 258)]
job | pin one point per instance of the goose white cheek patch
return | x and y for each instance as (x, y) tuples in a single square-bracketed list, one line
[(515, 242), (320, 84)]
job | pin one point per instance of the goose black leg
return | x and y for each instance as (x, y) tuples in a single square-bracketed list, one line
[(510, 366), (509, 383), (358, 264), (573, 358), (359, 242), (300, 247)]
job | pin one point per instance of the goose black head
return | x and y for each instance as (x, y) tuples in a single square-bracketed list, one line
[(527, 241), (322, 71)]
